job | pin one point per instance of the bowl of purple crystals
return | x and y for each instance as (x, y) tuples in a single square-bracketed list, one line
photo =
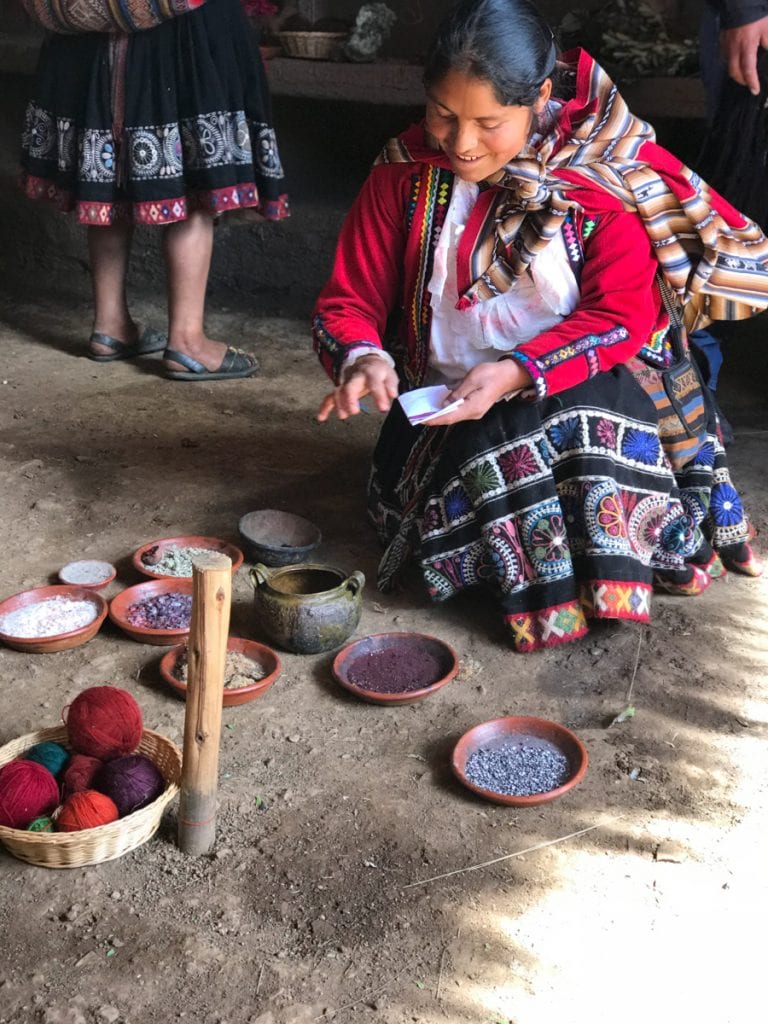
[(173, 556), (395, 668), (519, 761), (156, 612), (49, 619)]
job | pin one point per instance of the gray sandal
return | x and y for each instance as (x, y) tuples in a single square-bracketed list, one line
[(234, 365), (150, 340)]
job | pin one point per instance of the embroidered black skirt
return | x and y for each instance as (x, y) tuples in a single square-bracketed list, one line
[(567, 509), (151, 125)]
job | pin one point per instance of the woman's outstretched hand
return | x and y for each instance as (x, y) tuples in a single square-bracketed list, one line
[(481, 388), (370, 375)]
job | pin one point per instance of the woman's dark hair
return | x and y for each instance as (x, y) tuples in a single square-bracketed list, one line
[(506, 43)]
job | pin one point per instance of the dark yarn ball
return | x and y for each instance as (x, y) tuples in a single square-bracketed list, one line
[(27, 791), (104, 722), (132, 782), (79, 774), (88, 809), (50, 755)]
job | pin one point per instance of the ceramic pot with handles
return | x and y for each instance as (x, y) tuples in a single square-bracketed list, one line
[(307, 608)]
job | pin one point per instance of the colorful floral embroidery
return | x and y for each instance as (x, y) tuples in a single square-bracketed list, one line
[(565, 434), (678, 535), (549, 540), (725, 504), (582, 345), (606, 433), (706, 454), (518, 463), (641, 446), (480, 479), (457, 504), (610, 516), (645, 525)]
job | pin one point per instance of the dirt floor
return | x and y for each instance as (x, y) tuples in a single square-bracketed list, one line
[(320, 901)]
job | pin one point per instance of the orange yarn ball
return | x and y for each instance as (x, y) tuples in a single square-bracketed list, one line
[(87, 809), (104, 722)]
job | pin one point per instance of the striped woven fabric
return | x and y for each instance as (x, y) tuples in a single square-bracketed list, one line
[(715, 259), (73, 16)]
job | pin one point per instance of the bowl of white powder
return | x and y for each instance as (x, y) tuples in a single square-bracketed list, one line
[(49, 619)]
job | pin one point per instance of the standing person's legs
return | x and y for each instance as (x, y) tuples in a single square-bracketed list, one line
[(188, 246), (109, 249), (115, 333)]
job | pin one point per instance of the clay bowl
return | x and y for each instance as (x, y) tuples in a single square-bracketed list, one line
[(277, 538), (62, 641), (118, 610), (260, 653), (423, 663), (88, 572), (213, 543), (501, 730)]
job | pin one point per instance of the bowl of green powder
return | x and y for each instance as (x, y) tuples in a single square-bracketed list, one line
[(173, 556)]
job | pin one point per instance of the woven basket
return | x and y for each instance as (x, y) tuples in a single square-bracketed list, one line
[(106, 842), (312, 45)]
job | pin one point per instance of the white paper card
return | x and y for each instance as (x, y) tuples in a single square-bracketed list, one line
[(427, 403)]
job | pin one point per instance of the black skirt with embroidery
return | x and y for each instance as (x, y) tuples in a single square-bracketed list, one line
[(566, 509), (151, 125)]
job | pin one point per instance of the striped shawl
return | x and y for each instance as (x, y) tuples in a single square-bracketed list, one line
[(714, 258)]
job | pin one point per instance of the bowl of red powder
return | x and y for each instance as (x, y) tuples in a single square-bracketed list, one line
[(156, 612), (49, 619), (395, 668), (249, 670)]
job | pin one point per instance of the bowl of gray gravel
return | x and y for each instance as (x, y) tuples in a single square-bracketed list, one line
[(519, 761)]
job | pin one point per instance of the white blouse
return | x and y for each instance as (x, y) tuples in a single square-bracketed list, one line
[(462, 338)]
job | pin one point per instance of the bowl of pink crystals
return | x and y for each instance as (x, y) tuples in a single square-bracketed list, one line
[(156, 612), (49, 619)]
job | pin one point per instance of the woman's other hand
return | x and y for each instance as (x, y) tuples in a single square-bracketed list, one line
[(370, 375), (740, 46), (481, 388)]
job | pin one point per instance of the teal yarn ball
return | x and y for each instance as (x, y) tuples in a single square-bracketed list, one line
[(50, 755)]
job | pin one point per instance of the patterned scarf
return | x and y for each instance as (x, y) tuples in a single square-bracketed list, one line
[(714, 258)]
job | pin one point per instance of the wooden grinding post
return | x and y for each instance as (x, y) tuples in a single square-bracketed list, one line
[(206, 661)]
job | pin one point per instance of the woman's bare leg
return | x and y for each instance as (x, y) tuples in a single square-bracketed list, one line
[(188, 246), (109, 249)]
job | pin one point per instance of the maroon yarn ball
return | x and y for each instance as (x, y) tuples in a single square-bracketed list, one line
[(104, 722), (88, 809), (27, 791), (79, 774), (132, 782)]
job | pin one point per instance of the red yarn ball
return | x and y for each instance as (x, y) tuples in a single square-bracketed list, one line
[(79, 774), (104, 722), (27, 791), (132, 782), (86, 810)]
